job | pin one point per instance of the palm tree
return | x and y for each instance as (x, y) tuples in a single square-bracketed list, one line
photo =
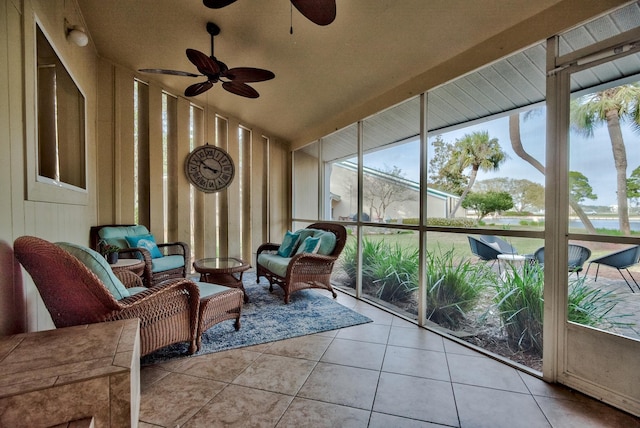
[(518, 148), (478, 151), (610, 106)]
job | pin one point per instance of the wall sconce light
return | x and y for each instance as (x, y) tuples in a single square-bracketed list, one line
[(77, 35)]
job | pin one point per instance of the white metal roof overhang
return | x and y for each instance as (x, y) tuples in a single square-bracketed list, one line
[(515, 82)]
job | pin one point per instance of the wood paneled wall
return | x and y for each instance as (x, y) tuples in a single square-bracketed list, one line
[(233, 222)]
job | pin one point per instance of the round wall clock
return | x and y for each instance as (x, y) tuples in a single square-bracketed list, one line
[(209, 168)]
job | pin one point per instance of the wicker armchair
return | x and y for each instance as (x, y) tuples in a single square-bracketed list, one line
[(153, 274), (74, 295), (304, 270)]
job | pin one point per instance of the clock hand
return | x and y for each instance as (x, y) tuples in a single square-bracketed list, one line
[(215, 171)]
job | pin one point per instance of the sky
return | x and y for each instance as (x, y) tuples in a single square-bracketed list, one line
[(590, 156)]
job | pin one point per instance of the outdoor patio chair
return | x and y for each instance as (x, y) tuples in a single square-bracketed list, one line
[(499, 244), (578, 255), (488, 248), (163, 261), (74, 294), (622, 259)]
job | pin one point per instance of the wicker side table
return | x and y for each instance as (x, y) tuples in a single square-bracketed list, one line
[(223, 271)]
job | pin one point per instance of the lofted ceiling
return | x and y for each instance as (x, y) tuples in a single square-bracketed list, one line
[(372, 47)]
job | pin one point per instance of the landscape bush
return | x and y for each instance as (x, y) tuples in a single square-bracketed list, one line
[(453, 286), (390, 273), (519, 301)]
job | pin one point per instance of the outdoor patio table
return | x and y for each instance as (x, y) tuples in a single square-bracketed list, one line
[(511, 261)]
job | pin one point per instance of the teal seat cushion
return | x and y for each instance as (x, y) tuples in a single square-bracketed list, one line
[(148, 242), (135, 290), (274, 263), (115, 235), (97, 264), (166, 263), (207, 290)]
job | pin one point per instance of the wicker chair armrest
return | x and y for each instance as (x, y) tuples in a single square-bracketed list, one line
[(146, 256), (175, 248), (162, 311), (159, 298), (269, 246), (310, 258), (310, 262), (129, 279)]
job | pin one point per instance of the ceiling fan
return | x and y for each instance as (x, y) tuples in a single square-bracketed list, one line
[(233, 80), (321, 12)]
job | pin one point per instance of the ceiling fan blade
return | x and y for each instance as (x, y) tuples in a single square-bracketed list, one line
[(172, 72), (248, 74), (321, 12), (217, 4), (197, 88), (204, 64), (241, 89)]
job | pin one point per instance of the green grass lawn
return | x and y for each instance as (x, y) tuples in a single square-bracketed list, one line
[(460, 243)]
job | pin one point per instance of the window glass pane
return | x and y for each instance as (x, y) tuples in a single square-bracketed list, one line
[(389, 268), (305, 182), (604, 177), (343, 274), (490, 173), (339, 155), (170, 166), (391, 165), (141, 152), (604, 195), (61, 120)]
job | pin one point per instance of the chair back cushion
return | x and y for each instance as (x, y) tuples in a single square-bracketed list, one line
[(327, 242), (333, 247), (99, 266), (115, 235), (72, 294)]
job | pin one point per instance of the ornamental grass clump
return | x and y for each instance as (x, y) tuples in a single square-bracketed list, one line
[(453, 286), (519, 301), (389, 271), (520, 305)]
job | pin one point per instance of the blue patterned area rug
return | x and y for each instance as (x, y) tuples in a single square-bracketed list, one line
[(266, 319)]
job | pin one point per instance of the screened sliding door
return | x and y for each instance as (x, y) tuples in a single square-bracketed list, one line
[(596, 144)]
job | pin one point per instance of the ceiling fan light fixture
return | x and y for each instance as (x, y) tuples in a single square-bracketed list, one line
[(233, 80)]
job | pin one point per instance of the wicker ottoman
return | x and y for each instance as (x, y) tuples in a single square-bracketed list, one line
[(218, 303)]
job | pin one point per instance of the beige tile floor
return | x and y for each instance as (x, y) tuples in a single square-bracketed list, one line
[(388, 373)]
